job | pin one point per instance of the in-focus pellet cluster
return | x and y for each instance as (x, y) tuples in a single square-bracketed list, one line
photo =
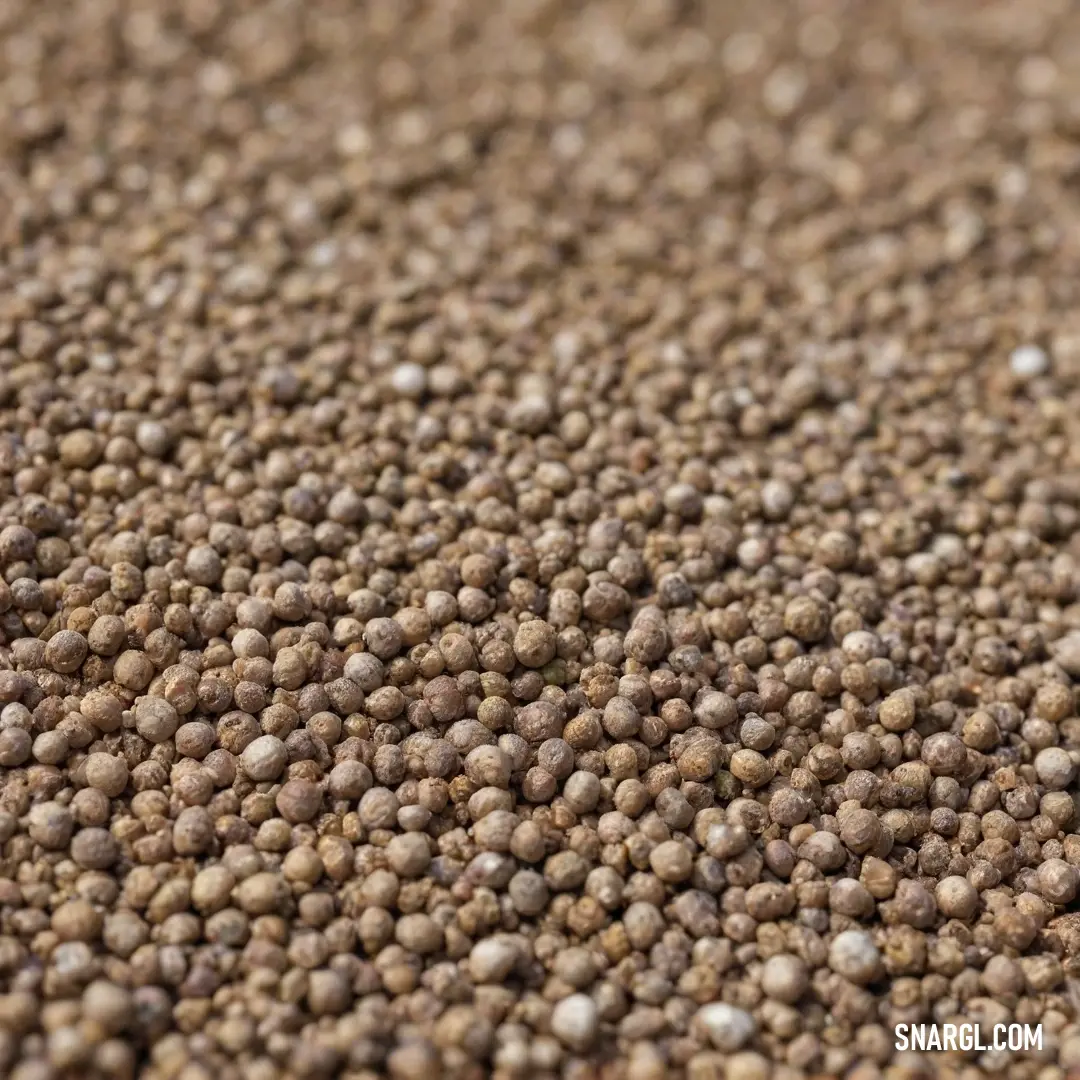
[(538, 540)]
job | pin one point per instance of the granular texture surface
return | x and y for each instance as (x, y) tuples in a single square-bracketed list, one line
[(538, 540)]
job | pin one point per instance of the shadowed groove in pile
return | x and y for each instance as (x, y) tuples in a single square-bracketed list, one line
[(538, 540)]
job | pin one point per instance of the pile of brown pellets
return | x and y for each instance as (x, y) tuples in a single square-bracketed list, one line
[(538, 540)]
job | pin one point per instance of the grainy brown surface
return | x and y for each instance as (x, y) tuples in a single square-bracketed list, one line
[(538, 540)]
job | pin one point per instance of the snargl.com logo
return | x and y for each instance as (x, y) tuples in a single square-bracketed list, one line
[(1013, 1038)]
